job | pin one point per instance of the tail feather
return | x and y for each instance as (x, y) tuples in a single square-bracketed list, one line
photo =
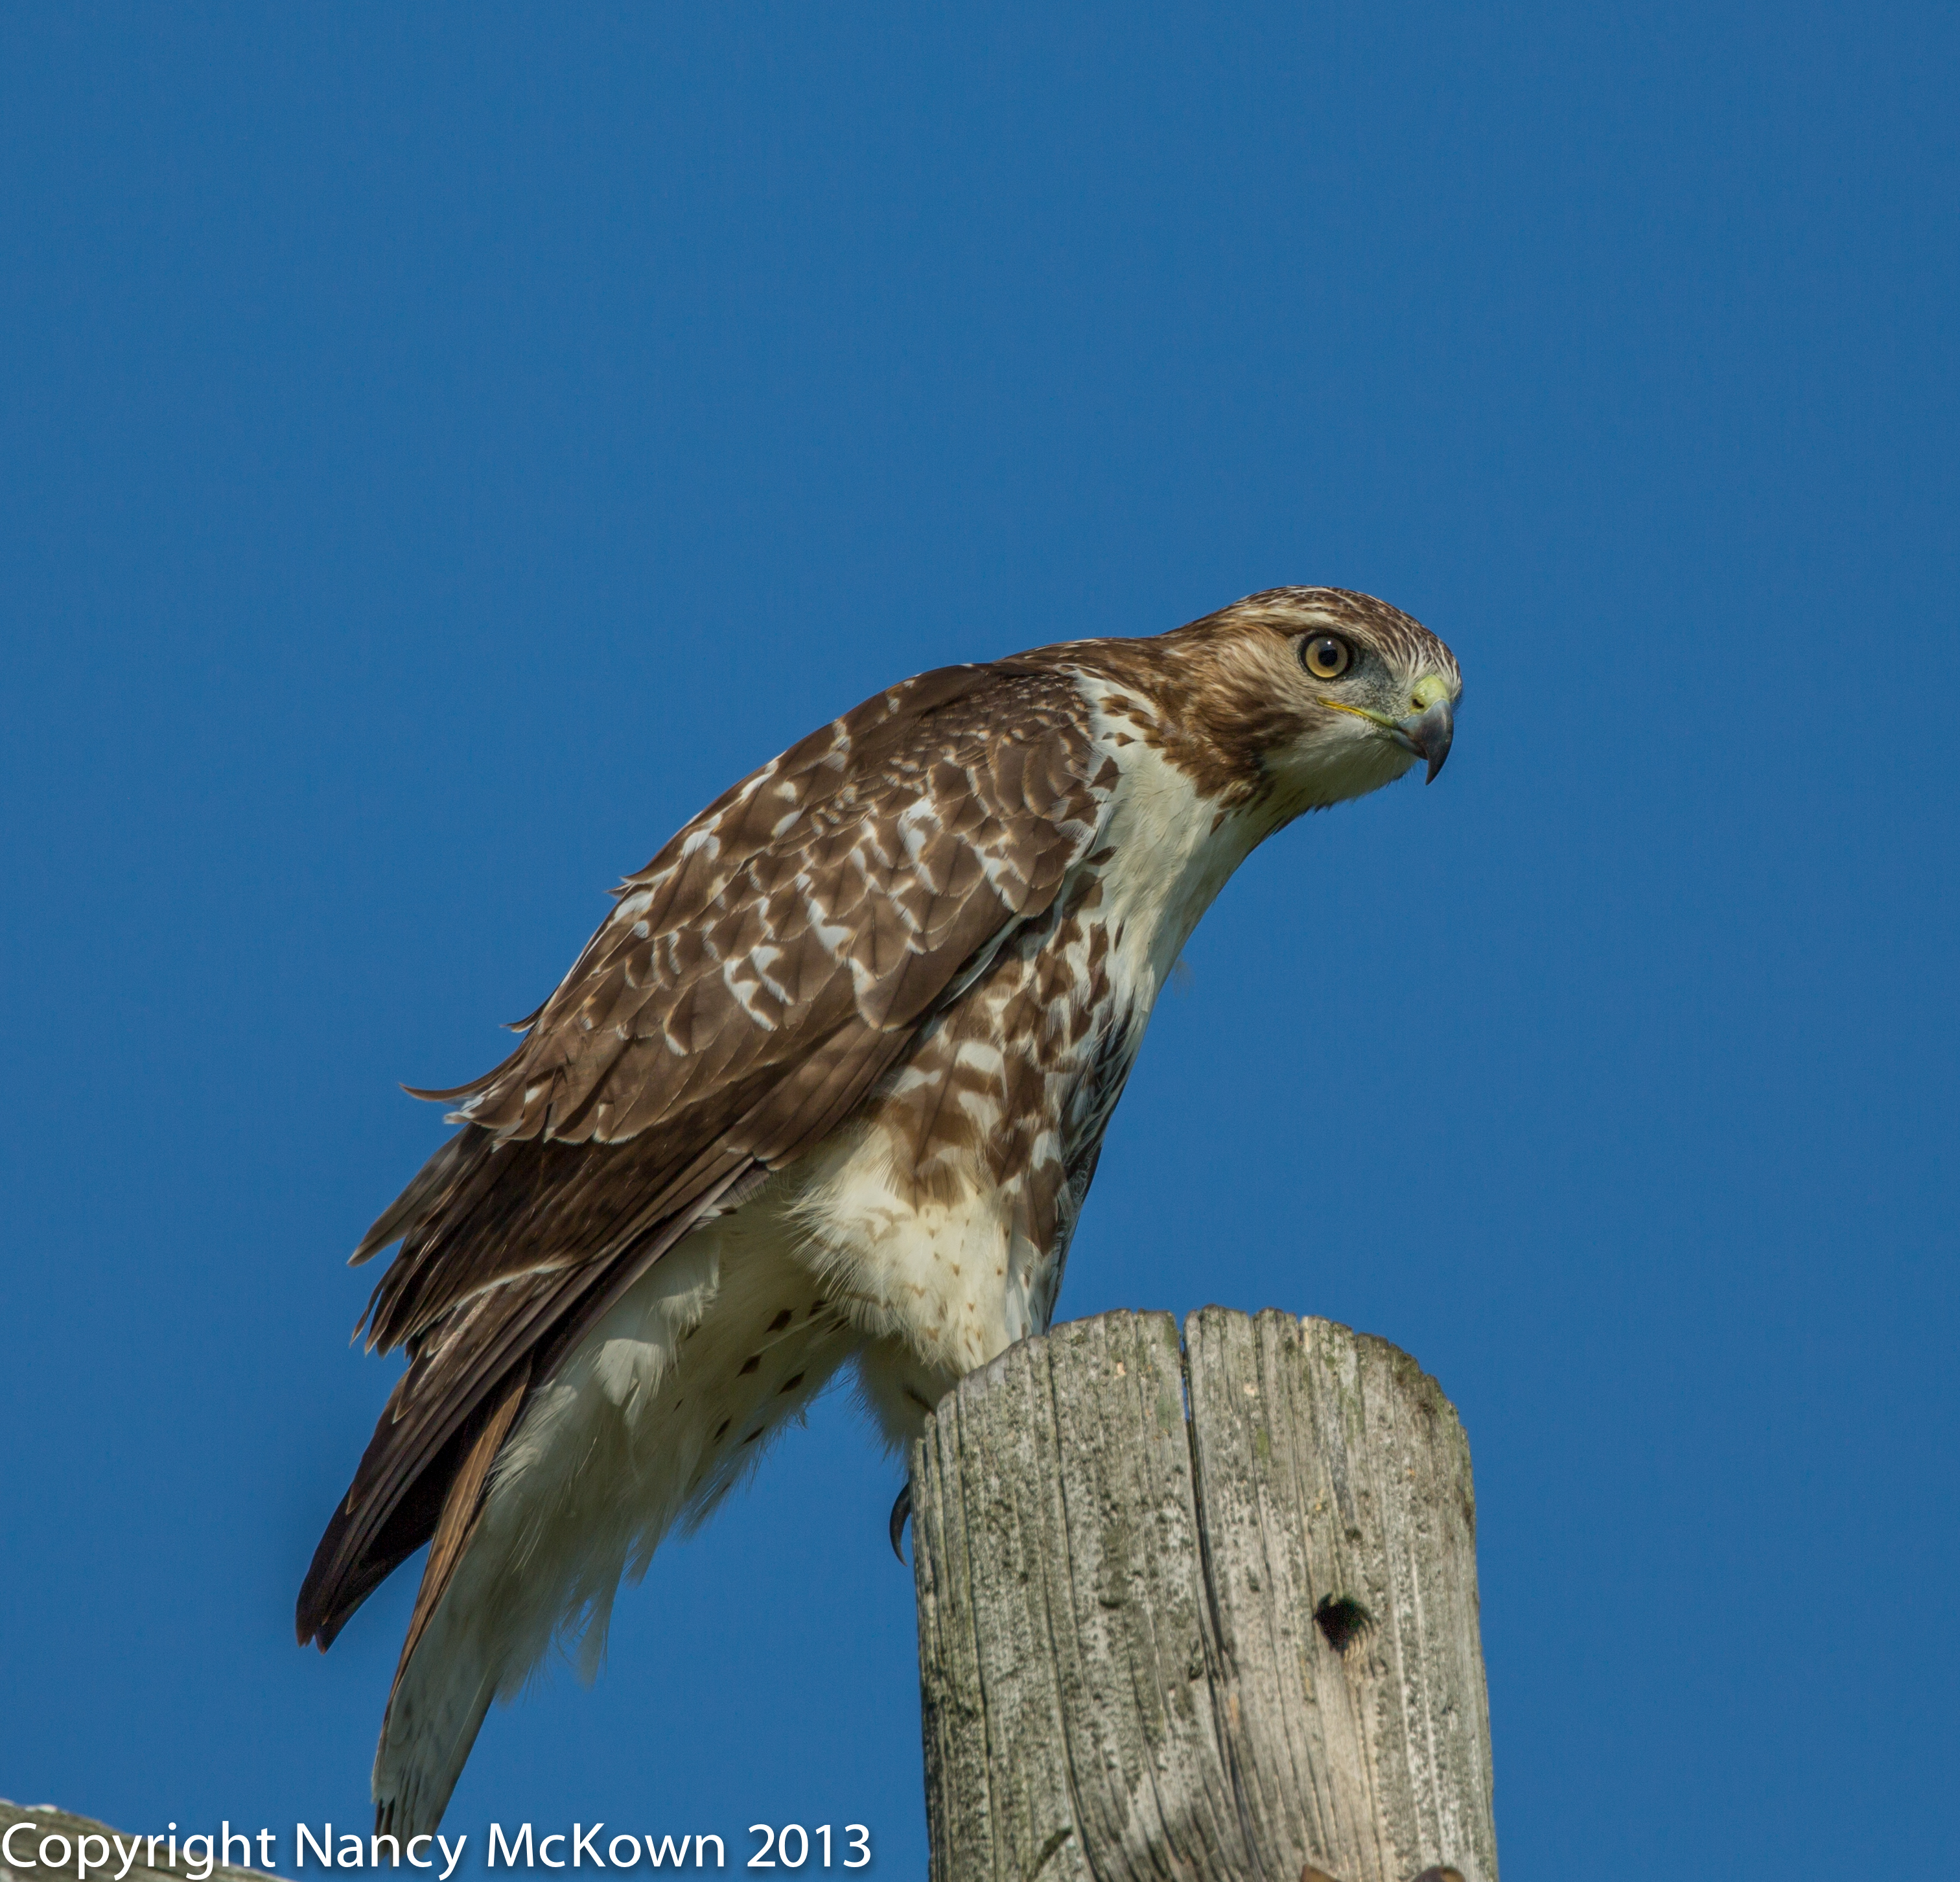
[(432, 1720), (426, 1735), (571, 1482), (462, 1512)]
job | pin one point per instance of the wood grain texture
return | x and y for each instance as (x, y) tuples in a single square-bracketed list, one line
[(1122, 1544)]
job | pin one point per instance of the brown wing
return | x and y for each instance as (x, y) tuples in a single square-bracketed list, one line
[(756, 980)]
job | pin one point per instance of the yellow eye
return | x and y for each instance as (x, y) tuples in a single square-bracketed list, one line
[(1326, 656)]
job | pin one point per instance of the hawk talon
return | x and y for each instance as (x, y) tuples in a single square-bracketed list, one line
[(900, 1511)]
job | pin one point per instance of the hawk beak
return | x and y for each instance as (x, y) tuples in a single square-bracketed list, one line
[(1427, 732)]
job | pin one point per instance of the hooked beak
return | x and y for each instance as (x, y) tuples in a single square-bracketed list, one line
[(1427, 733)]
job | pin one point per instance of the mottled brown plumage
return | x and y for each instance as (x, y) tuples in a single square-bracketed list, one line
[(916, 952), (757, 977)]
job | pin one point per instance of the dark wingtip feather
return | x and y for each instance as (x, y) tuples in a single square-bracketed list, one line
[(371, 1243), (313, 1620), (425, 1191), (429, 1095)]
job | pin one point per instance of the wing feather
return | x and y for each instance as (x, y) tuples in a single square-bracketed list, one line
[(751, 985)]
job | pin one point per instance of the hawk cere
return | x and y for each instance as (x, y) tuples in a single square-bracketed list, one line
[(827, 1087)]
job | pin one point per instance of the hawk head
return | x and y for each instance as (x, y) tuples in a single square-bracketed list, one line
[(1368, 692), (1297, 697)]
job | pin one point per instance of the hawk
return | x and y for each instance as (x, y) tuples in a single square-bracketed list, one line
[(827, 1088)]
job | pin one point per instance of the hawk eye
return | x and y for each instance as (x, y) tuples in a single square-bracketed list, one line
[(1326, 656)]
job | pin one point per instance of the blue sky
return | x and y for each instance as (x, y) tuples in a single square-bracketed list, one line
[(444, 446)]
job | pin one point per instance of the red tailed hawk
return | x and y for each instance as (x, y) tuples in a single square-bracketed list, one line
[(827, 1087)]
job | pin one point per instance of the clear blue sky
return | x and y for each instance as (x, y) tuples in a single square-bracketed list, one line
[(443, 446)]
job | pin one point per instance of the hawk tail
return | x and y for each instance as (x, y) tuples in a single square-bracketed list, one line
[(437, 1705)]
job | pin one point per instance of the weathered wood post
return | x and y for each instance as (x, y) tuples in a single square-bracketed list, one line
[(1206, 1612)]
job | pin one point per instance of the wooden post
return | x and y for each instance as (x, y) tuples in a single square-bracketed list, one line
[(1205, 1612)]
